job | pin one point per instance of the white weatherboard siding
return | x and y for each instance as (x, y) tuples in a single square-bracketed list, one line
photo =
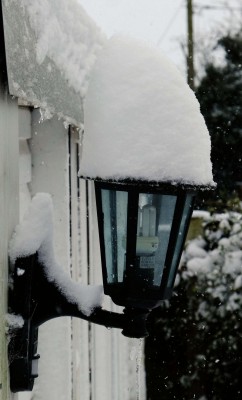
[(25, 161), (79, 269), (102, 356), (100, 337), (102, 366), (8, 215), (78, 360), (113, 367), (25, 177), (49, 147), (63, 344)]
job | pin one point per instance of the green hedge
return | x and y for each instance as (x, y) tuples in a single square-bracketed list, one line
[(195, 347)]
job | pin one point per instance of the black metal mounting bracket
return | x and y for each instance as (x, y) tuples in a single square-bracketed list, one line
[(38, 300)]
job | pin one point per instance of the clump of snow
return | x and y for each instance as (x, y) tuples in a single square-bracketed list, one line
[(142, 120), (35, 234), (200, 214), (51, 47), (67, 36), (207, 310), (199, 265), (196, 248), (14, 321), (216, 261), (238, 282)]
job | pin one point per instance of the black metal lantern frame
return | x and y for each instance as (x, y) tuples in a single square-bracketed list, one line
[(145, 275), (38, 300), (142, 229)]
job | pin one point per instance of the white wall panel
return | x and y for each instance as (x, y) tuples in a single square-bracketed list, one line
[(101, 337), (79, 269), (114, 357), (79, 361), (49, 147), (8, 215), (24, 122), (25, 175), (25, 161)]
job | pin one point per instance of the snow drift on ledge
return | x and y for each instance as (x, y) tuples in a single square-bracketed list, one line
[(142, 120), (51, 47), (68, 36), (35, 234)]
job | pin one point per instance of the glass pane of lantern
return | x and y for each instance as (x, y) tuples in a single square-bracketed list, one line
[(182, 231), (115, 205), (153, 232)]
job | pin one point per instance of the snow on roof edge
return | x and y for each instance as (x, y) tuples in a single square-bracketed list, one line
[(55, 49)]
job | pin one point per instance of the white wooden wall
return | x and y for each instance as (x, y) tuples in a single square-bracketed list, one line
[(79, 361), (8, 214), (109, 355), (49, 149), (25, 159)]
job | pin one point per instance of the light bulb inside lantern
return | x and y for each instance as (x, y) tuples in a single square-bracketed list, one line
[(147, 241)]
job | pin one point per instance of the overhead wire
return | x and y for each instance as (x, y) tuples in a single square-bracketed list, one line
[(197, 8), (170, 23), (223, 5)]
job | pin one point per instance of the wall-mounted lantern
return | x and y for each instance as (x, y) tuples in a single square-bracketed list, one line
[(147, 169), (142, 229)]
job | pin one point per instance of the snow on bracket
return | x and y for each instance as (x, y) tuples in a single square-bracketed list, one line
[(35, 234)]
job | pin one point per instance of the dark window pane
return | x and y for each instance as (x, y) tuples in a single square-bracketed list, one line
[(114, 204), (177, 251), (153, 233)]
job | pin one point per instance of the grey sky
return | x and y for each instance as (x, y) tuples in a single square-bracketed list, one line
[(163, 22)]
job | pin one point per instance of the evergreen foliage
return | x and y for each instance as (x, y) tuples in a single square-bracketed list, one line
[(220, 97), (195, 347)]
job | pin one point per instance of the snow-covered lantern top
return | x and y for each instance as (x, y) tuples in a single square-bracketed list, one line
[(147, 148)]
